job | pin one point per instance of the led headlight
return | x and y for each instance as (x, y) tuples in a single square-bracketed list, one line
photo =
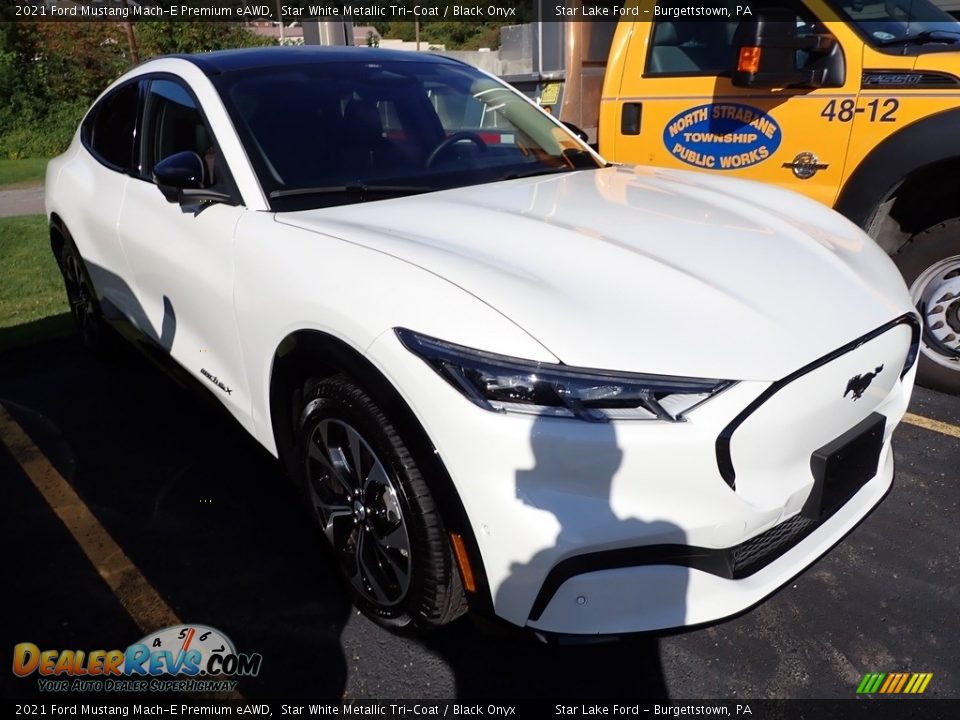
[(506, 384)]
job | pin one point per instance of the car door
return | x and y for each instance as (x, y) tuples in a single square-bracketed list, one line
[(182, 255), (100, 178), (693, 117)]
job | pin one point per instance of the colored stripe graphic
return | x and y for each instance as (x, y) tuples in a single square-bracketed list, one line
[(892, 680), (894, 683), (900, 684), (870, 683)]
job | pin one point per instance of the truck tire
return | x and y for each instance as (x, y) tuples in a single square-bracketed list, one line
[(930, 264)]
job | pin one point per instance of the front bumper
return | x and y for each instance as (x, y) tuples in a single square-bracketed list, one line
[(655, 597), (545, 495)]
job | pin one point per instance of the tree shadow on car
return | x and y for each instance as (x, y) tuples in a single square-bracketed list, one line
[(576, 489)]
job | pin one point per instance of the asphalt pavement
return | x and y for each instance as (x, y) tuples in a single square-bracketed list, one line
[(21, 201), (209, 520)]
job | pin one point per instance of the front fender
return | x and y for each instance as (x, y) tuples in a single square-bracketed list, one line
[(289, 279)]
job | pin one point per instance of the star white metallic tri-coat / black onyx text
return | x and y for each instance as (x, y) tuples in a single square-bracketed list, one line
[(585, 399)]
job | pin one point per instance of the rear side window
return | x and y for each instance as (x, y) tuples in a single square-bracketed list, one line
[(109, 132)]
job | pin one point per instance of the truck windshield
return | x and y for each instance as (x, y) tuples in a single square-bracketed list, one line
[(333, 133), (901, 23)]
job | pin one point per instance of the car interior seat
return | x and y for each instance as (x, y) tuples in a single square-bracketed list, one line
[(365, 148)]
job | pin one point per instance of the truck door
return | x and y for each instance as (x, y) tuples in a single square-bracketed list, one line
[(677, 107)]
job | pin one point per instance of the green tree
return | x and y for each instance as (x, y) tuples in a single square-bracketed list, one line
[(455, 35), (51, 72), (168, 37)]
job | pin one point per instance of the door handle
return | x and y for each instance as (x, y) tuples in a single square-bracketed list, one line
[(630, 115)]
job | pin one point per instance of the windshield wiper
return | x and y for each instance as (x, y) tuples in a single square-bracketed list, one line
[(355, 189), (927, 36), (538, 171)]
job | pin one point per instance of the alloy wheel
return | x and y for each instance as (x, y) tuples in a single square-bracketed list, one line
[(357, 505)]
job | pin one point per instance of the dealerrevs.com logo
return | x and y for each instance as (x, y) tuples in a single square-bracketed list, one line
[(197, 658)]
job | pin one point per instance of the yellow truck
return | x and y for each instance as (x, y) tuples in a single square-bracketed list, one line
[(855, 103)]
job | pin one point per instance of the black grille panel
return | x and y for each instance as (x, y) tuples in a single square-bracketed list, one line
[(755, 553)]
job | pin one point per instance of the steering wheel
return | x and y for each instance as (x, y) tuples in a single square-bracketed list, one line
[(453, 140)]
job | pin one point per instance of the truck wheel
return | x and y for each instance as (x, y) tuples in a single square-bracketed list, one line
[(930, 264), (367, 493)]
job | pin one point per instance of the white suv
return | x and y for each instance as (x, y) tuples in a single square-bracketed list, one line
[(586, 399)]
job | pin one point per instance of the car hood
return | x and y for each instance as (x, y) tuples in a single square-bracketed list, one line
[(643, 269)]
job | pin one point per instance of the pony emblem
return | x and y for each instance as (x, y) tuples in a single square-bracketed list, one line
[(858, 384)]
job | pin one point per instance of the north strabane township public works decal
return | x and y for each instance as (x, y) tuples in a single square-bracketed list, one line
[(722, 136)]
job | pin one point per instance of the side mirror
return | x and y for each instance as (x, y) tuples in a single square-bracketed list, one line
[(767, 48), (182, 178), (580, 133), (180, 171)]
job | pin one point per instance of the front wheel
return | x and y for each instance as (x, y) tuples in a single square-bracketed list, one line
[(930, 264), (366, 491)]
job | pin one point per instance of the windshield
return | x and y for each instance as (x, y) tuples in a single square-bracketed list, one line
[(899, 23), (342, 132)]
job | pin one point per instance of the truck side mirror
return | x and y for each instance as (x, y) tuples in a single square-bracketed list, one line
[(767, 48)]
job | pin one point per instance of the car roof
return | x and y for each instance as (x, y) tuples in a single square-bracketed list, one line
[(224, 61)]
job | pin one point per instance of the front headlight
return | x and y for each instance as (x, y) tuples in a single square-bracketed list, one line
[(506, 384)]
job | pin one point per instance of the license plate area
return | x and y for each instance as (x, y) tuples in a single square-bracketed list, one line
[(844, 465)]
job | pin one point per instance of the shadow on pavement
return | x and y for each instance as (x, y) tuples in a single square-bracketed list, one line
[(36, 331), (203, 512)]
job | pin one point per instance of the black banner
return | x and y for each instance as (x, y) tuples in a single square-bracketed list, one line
[(872, 709), (372, 11)]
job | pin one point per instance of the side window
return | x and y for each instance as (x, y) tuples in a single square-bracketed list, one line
[(705, 47), (172, 123), (691, 47), (109, 131)]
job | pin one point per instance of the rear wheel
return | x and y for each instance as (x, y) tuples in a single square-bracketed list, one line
[(365, 490), (82, 300), (930, 264)]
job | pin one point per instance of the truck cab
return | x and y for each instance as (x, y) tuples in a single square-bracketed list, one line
[(855, 103)]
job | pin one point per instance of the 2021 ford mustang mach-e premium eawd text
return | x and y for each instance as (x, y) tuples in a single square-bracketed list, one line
[(585, 399)]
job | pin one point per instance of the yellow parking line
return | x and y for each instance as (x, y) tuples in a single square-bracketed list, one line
[(144, 604), (934, 425), (139, 598)]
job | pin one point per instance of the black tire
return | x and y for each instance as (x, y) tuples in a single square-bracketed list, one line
[(925, 251), (431, 593), (82, 299)]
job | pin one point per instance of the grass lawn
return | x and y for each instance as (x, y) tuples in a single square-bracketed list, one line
[(22, 173), (32, 300)]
